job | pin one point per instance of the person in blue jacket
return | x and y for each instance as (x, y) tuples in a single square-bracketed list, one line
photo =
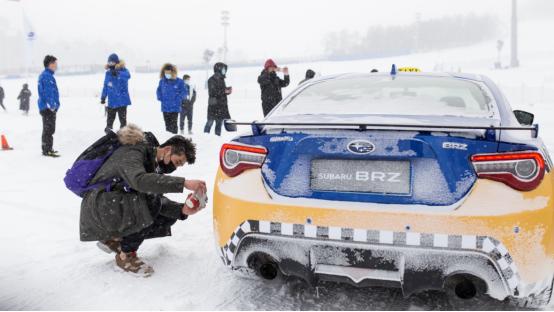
[(171, 92), (48, 104), (116, 89)]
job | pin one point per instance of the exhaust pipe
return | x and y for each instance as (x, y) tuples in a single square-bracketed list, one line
[(465, 289), (465, 286), (264, 265)]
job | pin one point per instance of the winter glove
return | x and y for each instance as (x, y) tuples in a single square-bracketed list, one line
[(102, 101)]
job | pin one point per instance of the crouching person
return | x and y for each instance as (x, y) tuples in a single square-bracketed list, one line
[(122, 213)]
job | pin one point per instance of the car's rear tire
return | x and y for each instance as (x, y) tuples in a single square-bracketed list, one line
[(536, 301)]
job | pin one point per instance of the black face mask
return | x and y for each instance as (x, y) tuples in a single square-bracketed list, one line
[(166, 168)]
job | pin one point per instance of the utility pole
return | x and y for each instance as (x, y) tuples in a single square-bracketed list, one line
[(207, 57), (225, 23), (514, 62)]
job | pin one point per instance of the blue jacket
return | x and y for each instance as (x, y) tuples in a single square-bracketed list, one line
[(171, 92), (48, 95), (116, 88)]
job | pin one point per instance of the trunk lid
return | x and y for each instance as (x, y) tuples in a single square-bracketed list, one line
[(402, 167)]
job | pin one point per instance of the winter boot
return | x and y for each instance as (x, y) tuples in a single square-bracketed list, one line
[(129, 262), (109, 246), (51, 154)]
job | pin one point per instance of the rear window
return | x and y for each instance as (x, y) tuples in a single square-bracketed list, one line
[(404, 95)]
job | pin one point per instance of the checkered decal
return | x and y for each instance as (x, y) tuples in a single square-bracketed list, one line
[(492, 247)]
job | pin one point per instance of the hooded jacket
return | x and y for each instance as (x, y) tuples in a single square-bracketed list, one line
[(171, 92), (217, 102), (116, 212), (270, 85), (116, 86), (24, 98), (48, 95)]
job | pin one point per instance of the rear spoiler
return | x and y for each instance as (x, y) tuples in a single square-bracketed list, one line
[(231, 126)]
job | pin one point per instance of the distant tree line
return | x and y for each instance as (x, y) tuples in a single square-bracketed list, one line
[(419, 36)]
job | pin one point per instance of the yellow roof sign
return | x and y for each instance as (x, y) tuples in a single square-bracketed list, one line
[(409, 69)]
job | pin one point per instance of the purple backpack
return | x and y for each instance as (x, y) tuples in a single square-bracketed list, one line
[(77, 178)]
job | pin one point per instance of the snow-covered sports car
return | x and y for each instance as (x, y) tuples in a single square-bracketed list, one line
[(415, 180)]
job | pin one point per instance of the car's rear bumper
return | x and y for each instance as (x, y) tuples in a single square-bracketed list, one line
[(411, 261), (508, 247)]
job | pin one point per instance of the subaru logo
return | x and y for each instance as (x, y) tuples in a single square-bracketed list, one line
[(361, 147)]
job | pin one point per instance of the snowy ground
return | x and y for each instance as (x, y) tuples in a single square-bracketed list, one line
[(43, 265)]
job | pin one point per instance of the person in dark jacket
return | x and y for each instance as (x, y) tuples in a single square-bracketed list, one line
[(271, 85), (24, 99), (217, 102), (48, 104), (171, 92), (121, 217), (309, 75), (2, 96), (187, 106), (116, 89)]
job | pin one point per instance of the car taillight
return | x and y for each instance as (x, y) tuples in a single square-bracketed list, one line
[(520, 170), (235, 158)]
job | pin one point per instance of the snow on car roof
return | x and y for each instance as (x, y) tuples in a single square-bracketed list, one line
[(468, 76)]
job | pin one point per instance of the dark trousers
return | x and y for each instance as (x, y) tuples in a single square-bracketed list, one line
[(121, 112), (170, 120), (160, 228), (48, 129), (267, 107), (2, 104), (209, 124), (186, 112)]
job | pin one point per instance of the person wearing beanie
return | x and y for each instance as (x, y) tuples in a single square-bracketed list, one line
[(24, 97), (187, 106), (218, 91), (116, 90), (271, 84), (309, 75), (48, 104), (171, 92)]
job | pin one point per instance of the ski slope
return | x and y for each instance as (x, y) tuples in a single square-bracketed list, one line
[(43, 265)]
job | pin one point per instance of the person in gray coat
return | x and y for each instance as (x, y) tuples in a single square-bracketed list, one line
[(133, 208)]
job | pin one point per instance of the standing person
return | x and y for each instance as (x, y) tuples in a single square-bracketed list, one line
[(271, 85), (116, 89), (24, 98), (217, 102), (309, 75), (48, 104), (187, 106), (171, 92), (2, 96)]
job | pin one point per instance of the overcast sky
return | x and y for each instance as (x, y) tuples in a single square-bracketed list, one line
[(259, 28)]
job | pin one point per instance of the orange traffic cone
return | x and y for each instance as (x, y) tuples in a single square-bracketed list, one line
[(5, 145)]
